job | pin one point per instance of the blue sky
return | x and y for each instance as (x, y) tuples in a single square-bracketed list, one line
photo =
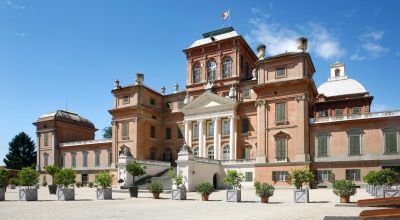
[(58, 53)]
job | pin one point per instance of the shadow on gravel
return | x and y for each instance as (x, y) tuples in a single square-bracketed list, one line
[(320, 202), (341, 218)]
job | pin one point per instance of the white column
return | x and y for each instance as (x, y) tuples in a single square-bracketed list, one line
[(216, 143), (232, 137), (38, 153), (201, 142), (186, 132)]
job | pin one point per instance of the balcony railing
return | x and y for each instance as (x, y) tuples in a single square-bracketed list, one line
[(236, 162), (207, 160), (75, 143), (154, 162), (355, 117)]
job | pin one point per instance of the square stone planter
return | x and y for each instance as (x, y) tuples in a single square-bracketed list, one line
[(378, 193), (233, 195), (179, 194), (66, 194), (2, 194), (103, 193), (388, 193), (301, 196), (28, 194)]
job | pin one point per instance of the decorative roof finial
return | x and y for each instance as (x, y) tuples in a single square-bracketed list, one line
[(139, 78), (302, 44), (176, 88), (163, 90), (261, 51), (116, 84)]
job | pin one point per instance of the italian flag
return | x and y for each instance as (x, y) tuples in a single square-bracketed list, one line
[(225, 15)]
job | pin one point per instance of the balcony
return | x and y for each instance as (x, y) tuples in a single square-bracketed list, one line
[(76, 143), (355, 117), (238, 162)]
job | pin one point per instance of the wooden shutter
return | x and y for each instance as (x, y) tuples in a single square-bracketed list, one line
[(245, 125), (391, 142), (280, 112), (274, 176)]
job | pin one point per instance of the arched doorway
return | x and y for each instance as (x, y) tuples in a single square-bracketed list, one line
[(215, 181)]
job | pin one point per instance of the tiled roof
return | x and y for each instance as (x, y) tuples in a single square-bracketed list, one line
[(66, 115), (340, 87)]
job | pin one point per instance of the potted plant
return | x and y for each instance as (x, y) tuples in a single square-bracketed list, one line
[(344, 189), (156, 188), (12, 183), (44, 184), (119, 182), (298, 177), (179, 190), (78, 184), (233, 180), (385, 179), (90, 184), (264, 191), (3, 183), (370, 179), (28, 178), (205, 189), (64, 178), (52, 171), (135, 169), (104, 180)]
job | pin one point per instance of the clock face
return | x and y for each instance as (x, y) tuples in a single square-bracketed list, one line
[(212, 65)]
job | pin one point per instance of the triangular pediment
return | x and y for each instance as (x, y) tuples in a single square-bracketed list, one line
[(209, 102)]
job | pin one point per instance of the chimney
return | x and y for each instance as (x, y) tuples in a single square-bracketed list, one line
[(139, 78)]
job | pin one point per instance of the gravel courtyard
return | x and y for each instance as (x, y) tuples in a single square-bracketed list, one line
[(281, 206)]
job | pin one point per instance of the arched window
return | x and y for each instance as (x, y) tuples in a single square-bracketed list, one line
[(196, 73), (226, 152), (211, 152), (211, 70), (167, 156), (196, 151), (337, 72), (227, 68)]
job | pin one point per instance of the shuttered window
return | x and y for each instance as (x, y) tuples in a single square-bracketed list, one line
[(354, 144), (125, 130), (248, 176), (73, 159), (390, 142), (245, 125), (280, 112), (180, 131), (168, 133), (322, 142), (281, 149)]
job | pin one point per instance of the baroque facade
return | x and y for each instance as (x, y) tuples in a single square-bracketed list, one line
[(261, 115)]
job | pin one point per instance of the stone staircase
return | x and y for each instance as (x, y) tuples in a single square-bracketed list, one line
[(161, 177)]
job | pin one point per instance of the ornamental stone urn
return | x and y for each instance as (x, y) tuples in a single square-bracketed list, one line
[(179, 193), (2, 194), (301, 195), (28, 194), (66, 194), (233, 195), (104, 193)]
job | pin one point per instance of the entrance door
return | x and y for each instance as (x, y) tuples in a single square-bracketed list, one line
[(215, 183), (85, 179)]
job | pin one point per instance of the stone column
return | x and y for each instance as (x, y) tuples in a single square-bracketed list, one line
[(216, 142), (186, 132), (232, 137), (261, 134), (38, 153), (201, 140)]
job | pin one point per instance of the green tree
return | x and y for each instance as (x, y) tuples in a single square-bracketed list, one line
[(107, 132), (21, 152)]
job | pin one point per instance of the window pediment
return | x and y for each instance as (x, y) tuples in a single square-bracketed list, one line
[(281, 134)]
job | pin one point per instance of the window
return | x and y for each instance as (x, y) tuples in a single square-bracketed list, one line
[(109, 154), (168, 133), (322, 145), (280, 113), (152, 102), (126, 99), (226, 152), (195, 131), (97, 158), (168, 105), (246, 153), (211, 152), (339, 112), (62, 160), (390, 141), (281, 176), (196, 151), (280, 73), (353, 175), (354, 142), (181, 129), (46, 139), (211, 70), (167, 156), (356, 110), (153, 131), (225, 127), (73, 159), (196, 73), (323, 113), (245, 125), (248, 176), (210, 129), (324, 175), (246, 93), (125, 130), (85, 159), (227, 68), (337, 72), (152, 154), (281, 149), (45, 159)]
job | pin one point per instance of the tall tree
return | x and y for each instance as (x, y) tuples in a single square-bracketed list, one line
[(107, 132), (21, 152)]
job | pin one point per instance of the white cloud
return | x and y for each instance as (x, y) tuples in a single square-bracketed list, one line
[(374, 49), (373, 35), (397, 53), (20, 34), (370, 46), (280, 38), (357, 57), (16, 6)]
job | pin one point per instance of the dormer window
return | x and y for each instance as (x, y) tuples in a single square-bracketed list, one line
[(211, 70), (356, 110), (196, 73), (280, 73), (227, 68)]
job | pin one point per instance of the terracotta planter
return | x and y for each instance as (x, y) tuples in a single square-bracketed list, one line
[(204, 197), (264, 199), (344, 199), (156, 195)]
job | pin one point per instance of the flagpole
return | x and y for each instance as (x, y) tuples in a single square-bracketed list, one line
[(229, 13)]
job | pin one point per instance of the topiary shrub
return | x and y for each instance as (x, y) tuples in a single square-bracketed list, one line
[(177, 180), (205, 188), (65, 177), (386, 177), (264, 189), (28, 177), (370, 178), (13, 181), (52, 171), (4, 178), (90, 184), (135, 169), (298, 177), (344, 188), (103, 179), (44, 184), (78, 184), (234, 179), (155, 187)]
